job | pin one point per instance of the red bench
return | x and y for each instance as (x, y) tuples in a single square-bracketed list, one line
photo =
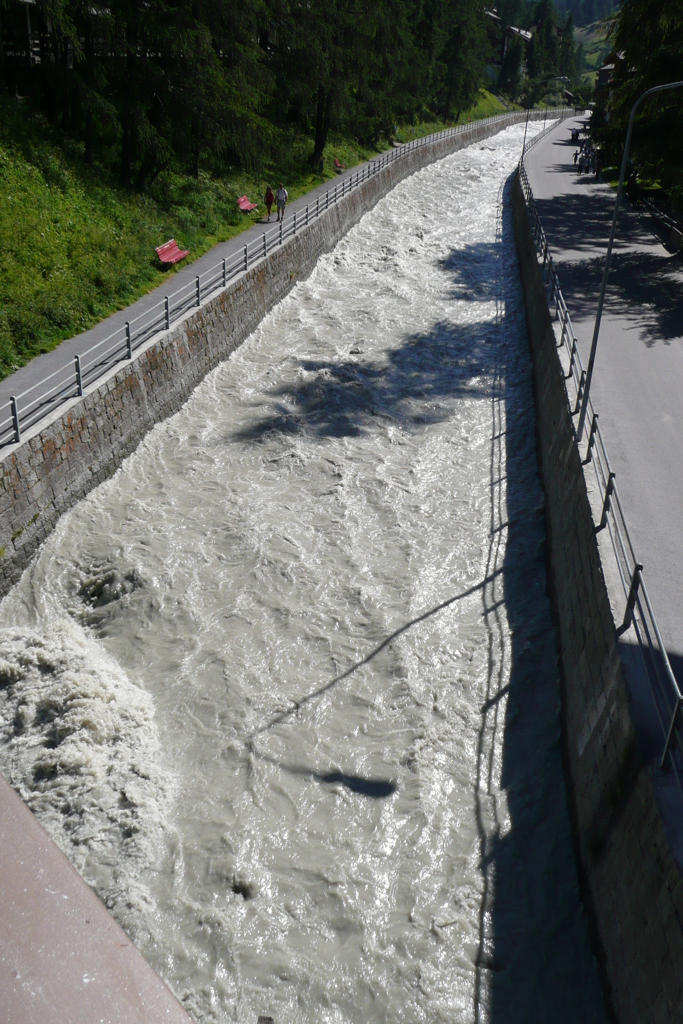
[(339, 167), (170, 252), (245, 206)]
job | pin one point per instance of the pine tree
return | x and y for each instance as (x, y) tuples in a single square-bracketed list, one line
[(649, 33)]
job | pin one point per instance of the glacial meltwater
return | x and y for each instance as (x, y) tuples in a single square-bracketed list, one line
[(285, 688)]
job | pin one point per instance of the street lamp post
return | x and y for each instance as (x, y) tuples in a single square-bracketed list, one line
[(610, 244), (557, 78)]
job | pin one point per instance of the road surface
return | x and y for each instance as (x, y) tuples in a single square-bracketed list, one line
[(638, 379)]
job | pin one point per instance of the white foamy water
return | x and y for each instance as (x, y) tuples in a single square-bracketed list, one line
[(285, 688)]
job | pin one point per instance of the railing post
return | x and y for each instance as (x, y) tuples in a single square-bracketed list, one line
[(198, 290), (15, 419), (306, 213), (672, 730), (295, 222), (327, 200), (167, 310), (265, 245), (317, 206), (281, 223), (79, 378), (129, 343), (563, 332), (335, 193), (631, 601), (246, 259), (579, 394), (591, 439), (607, 504), (225, 273), (572, 357)]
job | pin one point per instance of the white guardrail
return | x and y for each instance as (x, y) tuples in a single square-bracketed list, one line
[(41, 399), (637, 609)]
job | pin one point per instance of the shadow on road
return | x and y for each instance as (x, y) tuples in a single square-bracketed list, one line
[(533, 961), (645, 284)]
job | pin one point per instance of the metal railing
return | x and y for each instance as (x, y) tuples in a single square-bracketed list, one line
[(637, 609), (24, 410)]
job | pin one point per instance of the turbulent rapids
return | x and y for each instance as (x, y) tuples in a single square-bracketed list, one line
[(285, 688)]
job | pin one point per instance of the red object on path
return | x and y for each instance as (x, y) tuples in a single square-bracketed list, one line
[(339, 167), (245, 206), (170, 252)]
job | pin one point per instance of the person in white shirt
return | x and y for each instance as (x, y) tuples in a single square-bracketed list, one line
[(281, 196)]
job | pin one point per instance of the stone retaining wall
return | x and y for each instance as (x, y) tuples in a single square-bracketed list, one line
[(84, 441), (632, 884)]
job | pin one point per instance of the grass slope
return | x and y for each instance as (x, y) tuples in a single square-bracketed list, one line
[(596, 46), (74, 246)]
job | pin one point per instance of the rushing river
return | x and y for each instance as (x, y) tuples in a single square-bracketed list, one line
[(285, 688)]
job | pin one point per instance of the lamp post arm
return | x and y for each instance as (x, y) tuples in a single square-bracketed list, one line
[(610, 245)]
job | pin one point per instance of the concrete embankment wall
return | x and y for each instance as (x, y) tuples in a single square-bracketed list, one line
[(58, 463), (631, 881)]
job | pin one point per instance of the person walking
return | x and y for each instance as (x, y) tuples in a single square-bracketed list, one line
[(282, 196), (576, 156), (269, 200)]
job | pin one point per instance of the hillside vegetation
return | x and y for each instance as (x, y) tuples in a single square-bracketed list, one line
[(595, 45), (75, 245)]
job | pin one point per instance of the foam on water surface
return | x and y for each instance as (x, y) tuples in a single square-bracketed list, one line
[(285, 687)]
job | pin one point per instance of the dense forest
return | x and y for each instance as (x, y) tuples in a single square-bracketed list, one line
[(583, 12), (586, 12), (647, 39), (527, 64), (216, 83)]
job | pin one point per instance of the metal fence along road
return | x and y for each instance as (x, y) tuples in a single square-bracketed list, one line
[(37, 402), (637, 609)]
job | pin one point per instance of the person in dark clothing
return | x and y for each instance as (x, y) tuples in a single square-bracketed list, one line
[(269, 200)]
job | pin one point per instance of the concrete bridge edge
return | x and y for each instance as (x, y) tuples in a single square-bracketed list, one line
[(631, 883)]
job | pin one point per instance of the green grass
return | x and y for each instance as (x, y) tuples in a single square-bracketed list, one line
[(487, 105), (75, 247), (646, 185), (596, 47)]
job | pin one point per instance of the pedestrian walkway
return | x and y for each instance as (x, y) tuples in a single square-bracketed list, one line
[(638, 380), (42, 366)]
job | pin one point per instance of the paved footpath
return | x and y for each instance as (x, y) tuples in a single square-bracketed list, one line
[(638, 379), (43, 365)]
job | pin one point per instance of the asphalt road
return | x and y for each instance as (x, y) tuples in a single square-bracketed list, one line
[(638, 379)]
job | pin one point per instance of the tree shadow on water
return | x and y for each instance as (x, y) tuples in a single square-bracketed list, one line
[(410, 384), (534, 960)]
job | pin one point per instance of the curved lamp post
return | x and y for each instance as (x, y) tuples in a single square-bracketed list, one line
[(601, 300), (556, 78)]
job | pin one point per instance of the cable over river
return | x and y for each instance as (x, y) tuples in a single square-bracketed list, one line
[(285, 690)]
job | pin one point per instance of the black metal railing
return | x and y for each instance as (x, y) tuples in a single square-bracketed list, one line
[(24, 410), (636, 611)]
